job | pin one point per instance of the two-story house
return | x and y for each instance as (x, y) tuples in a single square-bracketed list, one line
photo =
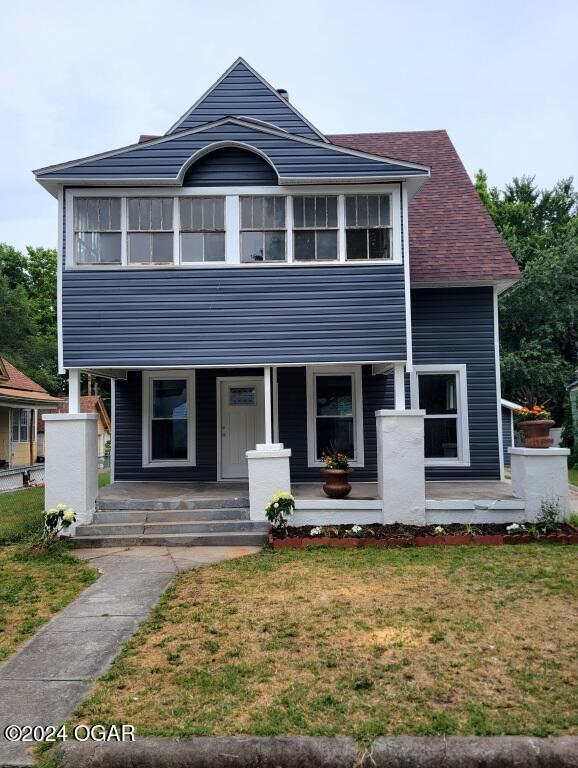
[(246, 280)]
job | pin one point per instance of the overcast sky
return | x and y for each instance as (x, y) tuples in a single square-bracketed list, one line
[(83, 77)]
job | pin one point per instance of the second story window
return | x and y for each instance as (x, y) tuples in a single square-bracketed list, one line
[(97, 233), (367, 227), (315, 228), (263, 229), (150, 230), (202, 229)]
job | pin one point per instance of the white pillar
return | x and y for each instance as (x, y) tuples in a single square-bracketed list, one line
[(399, 386), (540, 474), (73, 390), (71, 471), (268, 406), (268, 473), (400, 465)]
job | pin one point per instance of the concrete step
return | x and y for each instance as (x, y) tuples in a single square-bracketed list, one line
[(170, 503), (169, 515), (239, 539), (191, 526)]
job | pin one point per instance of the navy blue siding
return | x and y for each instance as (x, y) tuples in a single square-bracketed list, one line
[(291, 157), (253, 315), (242, 94), (230, 167), (457, 326), (507, 418)]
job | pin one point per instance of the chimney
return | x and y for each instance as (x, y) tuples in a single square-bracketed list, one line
[(283, 93)]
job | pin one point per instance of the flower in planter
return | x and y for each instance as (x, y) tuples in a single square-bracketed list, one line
[(317, 531), (439, 530), (279, 508), (335, 460), (516, 528)]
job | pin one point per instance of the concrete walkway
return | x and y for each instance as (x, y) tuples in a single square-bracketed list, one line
[(52, 673)]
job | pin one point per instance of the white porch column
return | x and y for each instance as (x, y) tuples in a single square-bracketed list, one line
[(268, 473), (540, 474), (73, 390), (399, 386), (71, 471), (268, 406), (400, 465)]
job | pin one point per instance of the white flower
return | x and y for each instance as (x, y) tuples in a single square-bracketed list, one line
[(515, 527), (61, 507), (69, 515), (315, 531), (356, 529), (51, 512), (276, 505), (439, 530)]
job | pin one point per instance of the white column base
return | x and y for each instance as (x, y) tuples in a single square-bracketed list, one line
[(71, 470), (400, 465), (268, 473), (540, 474)]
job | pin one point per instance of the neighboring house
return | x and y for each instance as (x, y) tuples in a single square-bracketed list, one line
[(88, 404), (20, 399), (508, 441), (245, 279)]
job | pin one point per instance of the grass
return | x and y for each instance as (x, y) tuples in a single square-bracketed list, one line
[(103, 478), (573, 476), (20, 514), (464, 640), (33, 587)]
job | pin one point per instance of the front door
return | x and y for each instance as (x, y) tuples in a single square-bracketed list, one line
[(242, 423)]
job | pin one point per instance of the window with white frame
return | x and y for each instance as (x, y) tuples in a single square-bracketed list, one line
[(202, 229), (335, 413), (97, 230), (20, 425), (315, 228), (168, 418), (442, 393), (150, 230), (368, 227), (263, 229)]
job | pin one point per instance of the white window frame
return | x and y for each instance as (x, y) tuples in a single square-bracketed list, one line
[(463, 429), (355, 372), (19, 411), (232, 197), (147, 392)]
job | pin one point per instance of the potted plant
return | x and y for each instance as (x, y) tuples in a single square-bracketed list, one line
[(535, 422), (336, 472)]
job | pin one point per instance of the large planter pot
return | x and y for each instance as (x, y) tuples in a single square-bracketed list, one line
[(336, 484), (537, 433)]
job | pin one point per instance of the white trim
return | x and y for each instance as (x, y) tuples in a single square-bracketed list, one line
[(123, 232), (301, 364), (498, 383), (73, 390), (399, 386), (241, 60), (267, 402), (257, 380), (407, 278), (355, 371), (289, 237), (148, 377), (501, 284), (275, 405), (463, 429), (232, 230), (112, 427), (508, 404), (59, 269), (177, 232)]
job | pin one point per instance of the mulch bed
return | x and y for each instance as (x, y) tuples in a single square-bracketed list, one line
[(398, 535)]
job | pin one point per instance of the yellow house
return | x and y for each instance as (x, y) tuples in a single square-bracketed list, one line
[(20, 400)]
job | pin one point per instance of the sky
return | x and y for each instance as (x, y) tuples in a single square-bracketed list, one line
[(78, 78)]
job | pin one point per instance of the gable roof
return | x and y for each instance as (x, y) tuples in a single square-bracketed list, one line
[(451, 235), (242, 92), (19, 389)]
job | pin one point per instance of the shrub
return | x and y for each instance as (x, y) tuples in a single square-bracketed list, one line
[(56, 520), (279, 508), (548, 519)]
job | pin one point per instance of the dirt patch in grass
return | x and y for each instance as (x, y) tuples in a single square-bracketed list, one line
[(33, 587), (357, 642)]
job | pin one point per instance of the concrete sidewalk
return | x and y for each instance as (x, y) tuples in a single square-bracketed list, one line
[(44, 681)]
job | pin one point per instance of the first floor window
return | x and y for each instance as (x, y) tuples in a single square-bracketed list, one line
[(263, 229), (150, 230), (335, 414), (367, 227), (97, 230), (442, 394), (168, 429), (202, 229), (20, 425)]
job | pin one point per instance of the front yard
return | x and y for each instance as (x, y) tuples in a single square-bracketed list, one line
[(357, 642)]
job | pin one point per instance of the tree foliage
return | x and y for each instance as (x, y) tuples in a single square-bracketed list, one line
[(539, 315)]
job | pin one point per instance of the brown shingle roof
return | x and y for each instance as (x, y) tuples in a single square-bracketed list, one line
[(90, 404), (452, 237), (15, 379)]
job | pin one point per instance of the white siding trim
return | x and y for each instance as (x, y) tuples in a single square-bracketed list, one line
[(407, 279), (498, 383), (112, 427), (147, 379), (59, 270)]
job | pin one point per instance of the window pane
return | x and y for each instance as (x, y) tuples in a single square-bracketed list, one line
[(156, 214), (168, 439), (298, 212), (191, 247), (384, 216), (437, 393), (326, 245), (208, 214), (242, 396), (251, 246), (379, 244), (219, 205), (114, 213), (139, 248), (309, 204), (246, 213), (16, 424), (280, 205), (169, 399), (275, 246), (321, 212), (441, 441), (98, 248), (214, 246), (257, 212), (335, 434), (356, 242), (362, 210), (80, 215), (167, 213), (373, 211), (92, 214), (331, 211), (109, 247), (185, 206), (304, 246), (133, 214), (162, 247), (334, 395), (350, 211), (269, 212)]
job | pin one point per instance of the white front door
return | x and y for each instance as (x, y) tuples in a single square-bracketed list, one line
[(242, 423)]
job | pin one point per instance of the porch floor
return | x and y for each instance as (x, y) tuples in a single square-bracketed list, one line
[(435, 491)]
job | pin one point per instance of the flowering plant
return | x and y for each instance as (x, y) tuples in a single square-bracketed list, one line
[(56, 520), (516, 528), (533, 413), (335, 460), (279, 508), (439, 530), (355, 530)]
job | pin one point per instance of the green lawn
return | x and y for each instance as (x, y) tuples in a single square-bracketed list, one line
[(20, 514), (573, 476), (455, 640), (33, 587)]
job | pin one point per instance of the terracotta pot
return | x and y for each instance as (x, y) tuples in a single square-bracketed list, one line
[(336, 484), (537, 433)]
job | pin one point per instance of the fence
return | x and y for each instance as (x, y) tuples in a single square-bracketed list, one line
[(21, 503)]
